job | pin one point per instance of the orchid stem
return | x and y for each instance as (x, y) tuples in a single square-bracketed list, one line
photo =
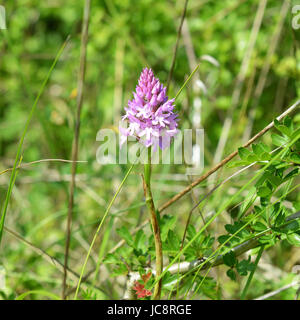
[(155, 226)]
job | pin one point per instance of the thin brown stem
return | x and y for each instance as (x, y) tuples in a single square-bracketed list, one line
[(83, 51)]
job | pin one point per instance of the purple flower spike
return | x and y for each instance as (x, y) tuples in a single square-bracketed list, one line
[(150, 114)]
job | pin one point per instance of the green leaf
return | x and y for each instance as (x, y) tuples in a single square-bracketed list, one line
[(223, 238), (267, 239), (276, 123), (208, 241), (259, 149), (294, 157), (120, 270), (263, 191), (142, 260), (287, 121), (231, 274), (291, 175), (169, 280), (173, 241), (259, 227), (279, 140), (238, 163), (232, 229), (291, 226), (191, 231), (111, 258), (262, 179), (274, 180), (280, 219), (244, 153), (293, 239), (244, 266), (282, 128), (167, 223), (140, 242), (229, 259), (295, 134), (249, 200), (124, 251), (265, 156), (125, 234), (252, 158)]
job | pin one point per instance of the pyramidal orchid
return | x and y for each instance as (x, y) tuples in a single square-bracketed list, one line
[(151, 116)]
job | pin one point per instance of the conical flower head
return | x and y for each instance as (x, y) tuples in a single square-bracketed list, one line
[(150, 114)]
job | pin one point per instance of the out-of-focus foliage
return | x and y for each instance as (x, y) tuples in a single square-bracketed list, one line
[(125, 36)]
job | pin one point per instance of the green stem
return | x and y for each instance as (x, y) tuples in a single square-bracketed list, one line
[(261, 250), (155, 227), (187, 81)]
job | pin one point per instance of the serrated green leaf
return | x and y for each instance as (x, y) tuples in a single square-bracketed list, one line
[(244, 266)]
